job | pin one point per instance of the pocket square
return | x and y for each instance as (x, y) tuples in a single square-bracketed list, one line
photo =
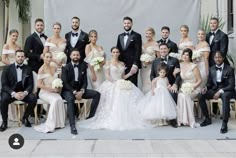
[(82, 72), (131, 40), (172, 65)]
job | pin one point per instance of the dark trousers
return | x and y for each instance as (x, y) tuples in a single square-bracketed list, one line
[(225, 97), (6, 99), (133, 78), (88, 94)]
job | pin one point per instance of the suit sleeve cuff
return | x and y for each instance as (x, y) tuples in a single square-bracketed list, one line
[(12, 94), (135, 66), (221, 91)]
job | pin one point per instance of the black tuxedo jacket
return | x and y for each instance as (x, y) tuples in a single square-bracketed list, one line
[(9, 79), (220, 43), (172, 45), (227, 79), (33, 50), (80, 45), (68, 77), (130, 54), (172, 63)]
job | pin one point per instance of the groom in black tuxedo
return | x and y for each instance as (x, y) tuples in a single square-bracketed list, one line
[(74, 77), (34, 46), (130, 45), (220, 85), (217, 40), (165, 33), (172, 64), (17, 84), (76, 39)]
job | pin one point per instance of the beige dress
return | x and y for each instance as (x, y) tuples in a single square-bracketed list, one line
[(56, 114), (99, 73), (185, 113), (146, 70), (201, 65)]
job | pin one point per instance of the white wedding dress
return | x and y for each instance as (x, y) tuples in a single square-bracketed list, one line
[(117, 109)]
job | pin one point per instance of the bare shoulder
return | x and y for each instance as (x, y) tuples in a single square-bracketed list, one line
[(41, 70), (49, 39), (6, 46)]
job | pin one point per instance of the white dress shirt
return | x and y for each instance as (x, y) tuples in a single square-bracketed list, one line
[(19, 72), (74, 39), (126, 37), (219, 73), (212, 36), (76, 72), (43, 40)]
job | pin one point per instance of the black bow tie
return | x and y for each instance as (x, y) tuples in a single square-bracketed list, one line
[(126, 33), (218, 68), (74, 34), (19, 66), (212, 33), (163, 41), (164, 59), (42, 35), (76, 65)]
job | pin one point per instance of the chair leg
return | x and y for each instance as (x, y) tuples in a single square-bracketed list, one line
[(36, 119), (85, 109), (19, 115)]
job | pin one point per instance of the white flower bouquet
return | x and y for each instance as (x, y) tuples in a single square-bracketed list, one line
[(175, 55), (187, 87), (96, 63), (57, 83), (61, 56), (146, 58), (196, 54), (124, 84)]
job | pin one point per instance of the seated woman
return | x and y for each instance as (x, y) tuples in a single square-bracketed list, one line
[(191, 80), (56, 114), (117, 109)]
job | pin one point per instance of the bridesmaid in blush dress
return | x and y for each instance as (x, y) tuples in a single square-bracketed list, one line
[(190, 76), (93, 51), (150, 49)]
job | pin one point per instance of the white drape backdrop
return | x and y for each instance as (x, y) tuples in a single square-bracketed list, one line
[(106, 16)]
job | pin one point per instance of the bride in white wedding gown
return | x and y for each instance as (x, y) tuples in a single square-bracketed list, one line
[(117, 109)]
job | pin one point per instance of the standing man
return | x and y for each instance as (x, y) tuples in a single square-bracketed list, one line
[(130, 45), (165, 33), (74, 77), (17, 84), (217, 40), (34, 46), (172, 64), (220, 85), (76, 39)]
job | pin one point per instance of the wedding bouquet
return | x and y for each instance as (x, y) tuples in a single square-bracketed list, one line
[(61, 56), (96, 63), (57, 83), (146, 58), (196, 54), (124, 84), (175, 55), (187, 87)]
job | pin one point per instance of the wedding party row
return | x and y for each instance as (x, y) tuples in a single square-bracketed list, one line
[(172, 76)]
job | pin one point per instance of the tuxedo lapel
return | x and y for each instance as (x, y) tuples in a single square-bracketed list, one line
[(24, 74), (71, 69), (122, 41), (13, 70), (69, 39), (38, 39), (214, 76), (130, 38), (81, 38), (224, 73)]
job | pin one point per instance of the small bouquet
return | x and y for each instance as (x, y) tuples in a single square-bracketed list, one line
[(61, 56), (196, 54), (57, 83), (175, 55), (96, 63), (187, 87), (124, 84), (146, 58)]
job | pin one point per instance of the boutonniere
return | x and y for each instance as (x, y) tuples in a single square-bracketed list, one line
[(82, 72), (131, 40)]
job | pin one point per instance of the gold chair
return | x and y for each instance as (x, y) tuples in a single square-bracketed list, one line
[(84, 102), (19, 105)]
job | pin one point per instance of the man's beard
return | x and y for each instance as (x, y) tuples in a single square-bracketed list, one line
[(75, 60), (127, 29), (75, 28)]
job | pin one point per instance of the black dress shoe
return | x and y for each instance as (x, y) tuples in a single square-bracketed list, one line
[(26, 122), (224, 128), (206, 122), (3, 127), (173, 123), (73, 130)]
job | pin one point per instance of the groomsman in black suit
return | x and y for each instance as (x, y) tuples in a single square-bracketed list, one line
[(220, 85), (172, 64), (34, 46), (165, 33), (76, 39), (74, 77), (217, 40), (17, 84), (130, 45)]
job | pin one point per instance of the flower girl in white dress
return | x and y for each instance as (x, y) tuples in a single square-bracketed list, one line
[(159, 104)]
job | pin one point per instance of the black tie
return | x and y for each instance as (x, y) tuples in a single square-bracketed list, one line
[(212, 33), (126, 33), (218, 68), (76, 65), (42, 35), (163, 41), (164, 59), (19, 66), (74, 34)]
